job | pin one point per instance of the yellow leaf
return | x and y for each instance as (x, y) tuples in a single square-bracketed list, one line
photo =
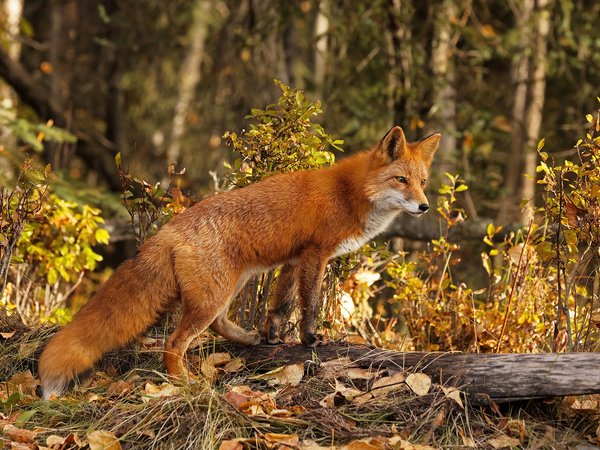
[(368, 444), (387, 385), (231, 444), (356, 373), (24, 382), (235, 365), (419, 383), (291, 375), (290, 440), (19, 434), (503, 441), (453, 394), (103, 440), (151, 391)]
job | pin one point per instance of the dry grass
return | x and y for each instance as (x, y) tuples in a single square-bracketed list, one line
[(199, 416)]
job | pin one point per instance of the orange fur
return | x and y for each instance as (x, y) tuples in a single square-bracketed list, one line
[(204, 256)]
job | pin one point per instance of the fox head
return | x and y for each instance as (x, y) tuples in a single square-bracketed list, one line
[(400, 171)]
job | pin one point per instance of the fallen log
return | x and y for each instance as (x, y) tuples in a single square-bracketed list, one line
[(484, 377)]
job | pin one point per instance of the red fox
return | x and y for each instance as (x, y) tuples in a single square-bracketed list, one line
[(205, 255)]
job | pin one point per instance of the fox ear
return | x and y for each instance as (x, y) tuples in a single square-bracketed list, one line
[(393, 144), (428, 146)]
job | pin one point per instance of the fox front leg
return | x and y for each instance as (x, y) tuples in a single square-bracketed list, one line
[(310, 277), (282, 305)]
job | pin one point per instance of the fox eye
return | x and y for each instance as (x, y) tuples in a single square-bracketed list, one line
[(402, 180)]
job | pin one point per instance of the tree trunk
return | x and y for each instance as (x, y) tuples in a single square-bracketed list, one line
[(400, 13), (64, 17), (529, 80), (12, 10), (533, 117), (519, 77), (321, 46), (485, 377), (189, 77), (444, 90)]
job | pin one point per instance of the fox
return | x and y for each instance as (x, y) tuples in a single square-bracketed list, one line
[(202, 258)]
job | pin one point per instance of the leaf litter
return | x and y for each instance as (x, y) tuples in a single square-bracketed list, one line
[(339, 406)]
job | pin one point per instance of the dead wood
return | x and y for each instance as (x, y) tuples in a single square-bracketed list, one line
[(485, 377)]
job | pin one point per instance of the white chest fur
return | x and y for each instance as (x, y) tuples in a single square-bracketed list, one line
[(376, 223)]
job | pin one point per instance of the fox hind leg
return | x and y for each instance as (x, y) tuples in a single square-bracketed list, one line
[(229, 330), (204, 296)]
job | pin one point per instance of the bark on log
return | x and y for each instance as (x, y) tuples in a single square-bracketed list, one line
[(485, 377)]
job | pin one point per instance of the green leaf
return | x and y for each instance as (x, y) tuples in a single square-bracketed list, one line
[(24, 417)]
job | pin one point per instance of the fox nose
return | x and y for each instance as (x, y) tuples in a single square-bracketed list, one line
[(423, 207)]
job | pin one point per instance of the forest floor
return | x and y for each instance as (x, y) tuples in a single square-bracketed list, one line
[(130, 403)]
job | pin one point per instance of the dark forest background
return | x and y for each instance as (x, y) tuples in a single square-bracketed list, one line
[(162, 81)]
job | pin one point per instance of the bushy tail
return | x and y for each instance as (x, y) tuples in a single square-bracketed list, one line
[(129, 302)]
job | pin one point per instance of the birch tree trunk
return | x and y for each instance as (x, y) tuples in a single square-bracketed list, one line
[(321, 46), (533, 118), (189, 77), (12, 12), (444, 89), (529, 80)]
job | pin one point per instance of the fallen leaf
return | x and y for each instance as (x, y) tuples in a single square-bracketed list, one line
[(357, 373), (235, 365), (356, 339), (151, 343), (231, 444), (239, 395), (7, 335), (59, 443), (20, 446), (585, 405), (291, 440), (151, 391), (19, 434), (218, 359), (335, 367), (342, 393), (118, 388), (209, 366), (312, 445), (419, 383), (468, 441), (368, 444), (387, 385), (281, 413), (503, 441), (400, 444), (24, 382), (103, 440), (454, 394), (291, 374)]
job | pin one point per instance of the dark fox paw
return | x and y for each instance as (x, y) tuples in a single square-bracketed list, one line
[(313, 340)]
